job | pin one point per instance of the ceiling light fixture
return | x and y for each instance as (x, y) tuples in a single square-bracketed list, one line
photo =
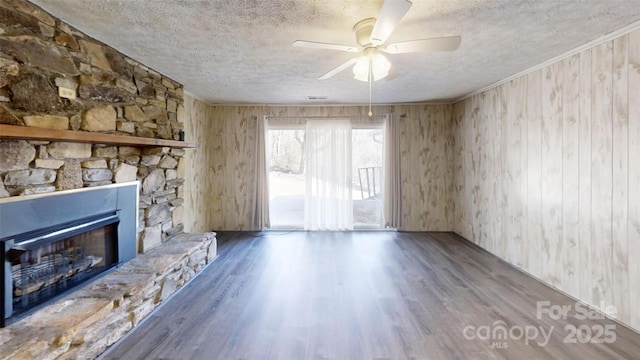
[(371, 67), (372, 62), (371, 36)]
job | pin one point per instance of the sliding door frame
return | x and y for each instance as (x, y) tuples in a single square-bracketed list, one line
[(298, 126)]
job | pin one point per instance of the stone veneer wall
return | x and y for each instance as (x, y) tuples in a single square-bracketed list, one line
[(55, 77)]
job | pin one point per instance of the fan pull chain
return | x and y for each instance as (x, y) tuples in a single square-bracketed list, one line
[(370, 85)]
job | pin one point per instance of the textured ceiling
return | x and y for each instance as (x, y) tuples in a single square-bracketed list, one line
[(239, 51)]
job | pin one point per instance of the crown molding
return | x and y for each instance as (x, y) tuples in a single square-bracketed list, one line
[(608, 37)]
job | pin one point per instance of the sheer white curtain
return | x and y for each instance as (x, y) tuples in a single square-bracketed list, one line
[(328, 200), (392, 179), (261, 191)]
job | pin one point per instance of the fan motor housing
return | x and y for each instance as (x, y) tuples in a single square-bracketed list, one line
[(363, 30)]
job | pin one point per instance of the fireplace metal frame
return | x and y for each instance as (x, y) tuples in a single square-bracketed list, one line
[(29, 220), (33, 240)]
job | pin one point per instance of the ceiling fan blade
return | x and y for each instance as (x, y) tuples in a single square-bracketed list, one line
[(449, 43), (390, 15), (319, 45), (338, 69)]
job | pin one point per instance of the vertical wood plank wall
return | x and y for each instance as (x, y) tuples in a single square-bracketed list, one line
[(197, 212), (228, 141), (547, 175), (633, 205), (426, 167), (233, 172)]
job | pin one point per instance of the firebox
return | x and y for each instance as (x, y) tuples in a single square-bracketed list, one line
[(51, 244)]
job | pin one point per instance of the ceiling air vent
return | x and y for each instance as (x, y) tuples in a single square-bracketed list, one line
[(313, 97)]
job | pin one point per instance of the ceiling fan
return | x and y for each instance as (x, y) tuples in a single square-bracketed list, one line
[(371, 35)]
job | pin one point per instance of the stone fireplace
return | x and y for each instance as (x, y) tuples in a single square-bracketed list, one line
[(54, 78), (89, 118), (51, 243)]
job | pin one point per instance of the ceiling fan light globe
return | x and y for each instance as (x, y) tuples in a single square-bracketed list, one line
[(361, 69), (380, 67), (361, 77), (380, 76)]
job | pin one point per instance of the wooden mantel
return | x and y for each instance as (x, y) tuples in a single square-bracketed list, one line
[(34, 133)]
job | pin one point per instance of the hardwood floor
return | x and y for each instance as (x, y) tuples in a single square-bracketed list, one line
[(366, 295)]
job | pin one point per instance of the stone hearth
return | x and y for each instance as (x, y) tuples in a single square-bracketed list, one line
[(82, 324)]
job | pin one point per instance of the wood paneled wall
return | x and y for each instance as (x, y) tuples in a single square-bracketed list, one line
[(547, 177), (197, 162), (427, 167), (226, 159), (233, 130)]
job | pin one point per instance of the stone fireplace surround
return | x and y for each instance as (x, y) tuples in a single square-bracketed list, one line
[(25, 216), (83, 322), (56, 78)]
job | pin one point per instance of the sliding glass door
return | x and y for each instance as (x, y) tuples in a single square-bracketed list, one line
[(367, 161), (286, 177), (289, 178)]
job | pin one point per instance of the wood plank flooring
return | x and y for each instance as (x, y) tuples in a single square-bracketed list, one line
[(364, 295)]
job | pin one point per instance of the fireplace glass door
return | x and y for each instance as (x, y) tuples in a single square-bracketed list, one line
[(47, 265)]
